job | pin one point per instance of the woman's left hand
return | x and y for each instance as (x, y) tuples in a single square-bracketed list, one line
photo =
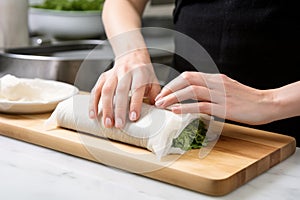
[(217, 95)]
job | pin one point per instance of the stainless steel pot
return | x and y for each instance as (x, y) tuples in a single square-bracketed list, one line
[(55, 62), (79, 63)]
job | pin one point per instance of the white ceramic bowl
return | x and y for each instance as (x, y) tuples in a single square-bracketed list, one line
[(65, 24), (52, 92)]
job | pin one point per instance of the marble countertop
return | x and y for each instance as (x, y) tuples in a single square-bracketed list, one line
[(32, 172)]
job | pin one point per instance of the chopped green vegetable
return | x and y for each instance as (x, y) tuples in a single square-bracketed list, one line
[(192, 136), (71, 5)]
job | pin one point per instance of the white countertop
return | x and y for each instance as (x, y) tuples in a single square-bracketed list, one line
[(31, 172)]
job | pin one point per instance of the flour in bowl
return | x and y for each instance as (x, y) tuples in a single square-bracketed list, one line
[(16, 89), (33, 90)]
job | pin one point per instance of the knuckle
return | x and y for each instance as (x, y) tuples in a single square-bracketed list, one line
[(123, 68), (189, 77), (120, 109), (104, 75), (135, 104), (223, 77), (107, 107), (225, 81), (192, 88), (107, 89), (185, 75), (204, 107), (96, 89), (194, 91)]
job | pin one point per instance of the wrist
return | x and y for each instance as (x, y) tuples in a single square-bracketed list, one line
[(276, 108), (128, 42), (133, 58), (266, 106)]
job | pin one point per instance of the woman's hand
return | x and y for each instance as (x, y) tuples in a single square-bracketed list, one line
[(132, 75), (218, 95)]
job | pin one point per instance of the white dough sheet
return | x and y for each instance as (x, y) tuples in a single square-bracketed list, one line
[(155, 130)]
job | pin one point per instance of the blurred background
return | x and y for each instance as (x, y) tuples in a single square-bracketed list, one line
[(71, 46)]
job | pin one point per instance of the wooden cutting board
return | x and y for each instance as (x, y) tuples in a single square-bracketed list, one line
[(240, 154)]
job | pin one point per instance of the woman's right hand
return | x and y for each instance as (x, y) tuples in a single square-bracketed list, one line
[(123, 88)]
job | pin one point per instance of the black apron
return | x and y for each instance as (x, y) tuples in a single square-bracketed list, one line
[(255, 42)]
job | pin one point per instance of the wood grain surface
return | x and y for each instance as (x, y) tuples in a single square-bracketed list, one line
[(240, 154)]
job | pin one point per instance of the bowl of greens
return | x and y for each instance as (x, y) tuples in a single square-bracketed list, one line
[(66, 19)]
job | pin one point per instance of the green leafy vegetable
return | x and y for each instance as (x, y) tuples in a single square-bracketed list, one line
[(192, 136), (71, 5)]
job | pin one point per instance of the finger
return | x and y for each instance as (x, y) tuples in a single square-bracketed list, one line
[(153, 87), (190, 92), (136, 103), (95, 97), (176, 84), (107, 96), (183, 80), (200, 107), (121, 100), (211, 81), (138, 88), (142, 79)]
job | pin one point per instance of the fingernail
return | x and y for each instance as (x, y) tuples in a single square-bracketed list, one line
[(119, 123), (133, 116), (159, 102), (108, 122), (92, 114)]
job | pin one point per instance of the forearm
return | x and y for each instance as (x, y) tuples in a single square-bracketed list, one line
[(122, 22), (287, 101)]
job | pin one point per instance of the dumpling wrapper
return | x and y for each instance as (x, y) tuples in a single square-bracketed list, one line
[(155, 130)]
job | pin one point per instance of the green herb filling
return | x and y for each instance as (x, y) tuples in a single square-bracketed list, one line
[(72, 5), (192, 136)]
